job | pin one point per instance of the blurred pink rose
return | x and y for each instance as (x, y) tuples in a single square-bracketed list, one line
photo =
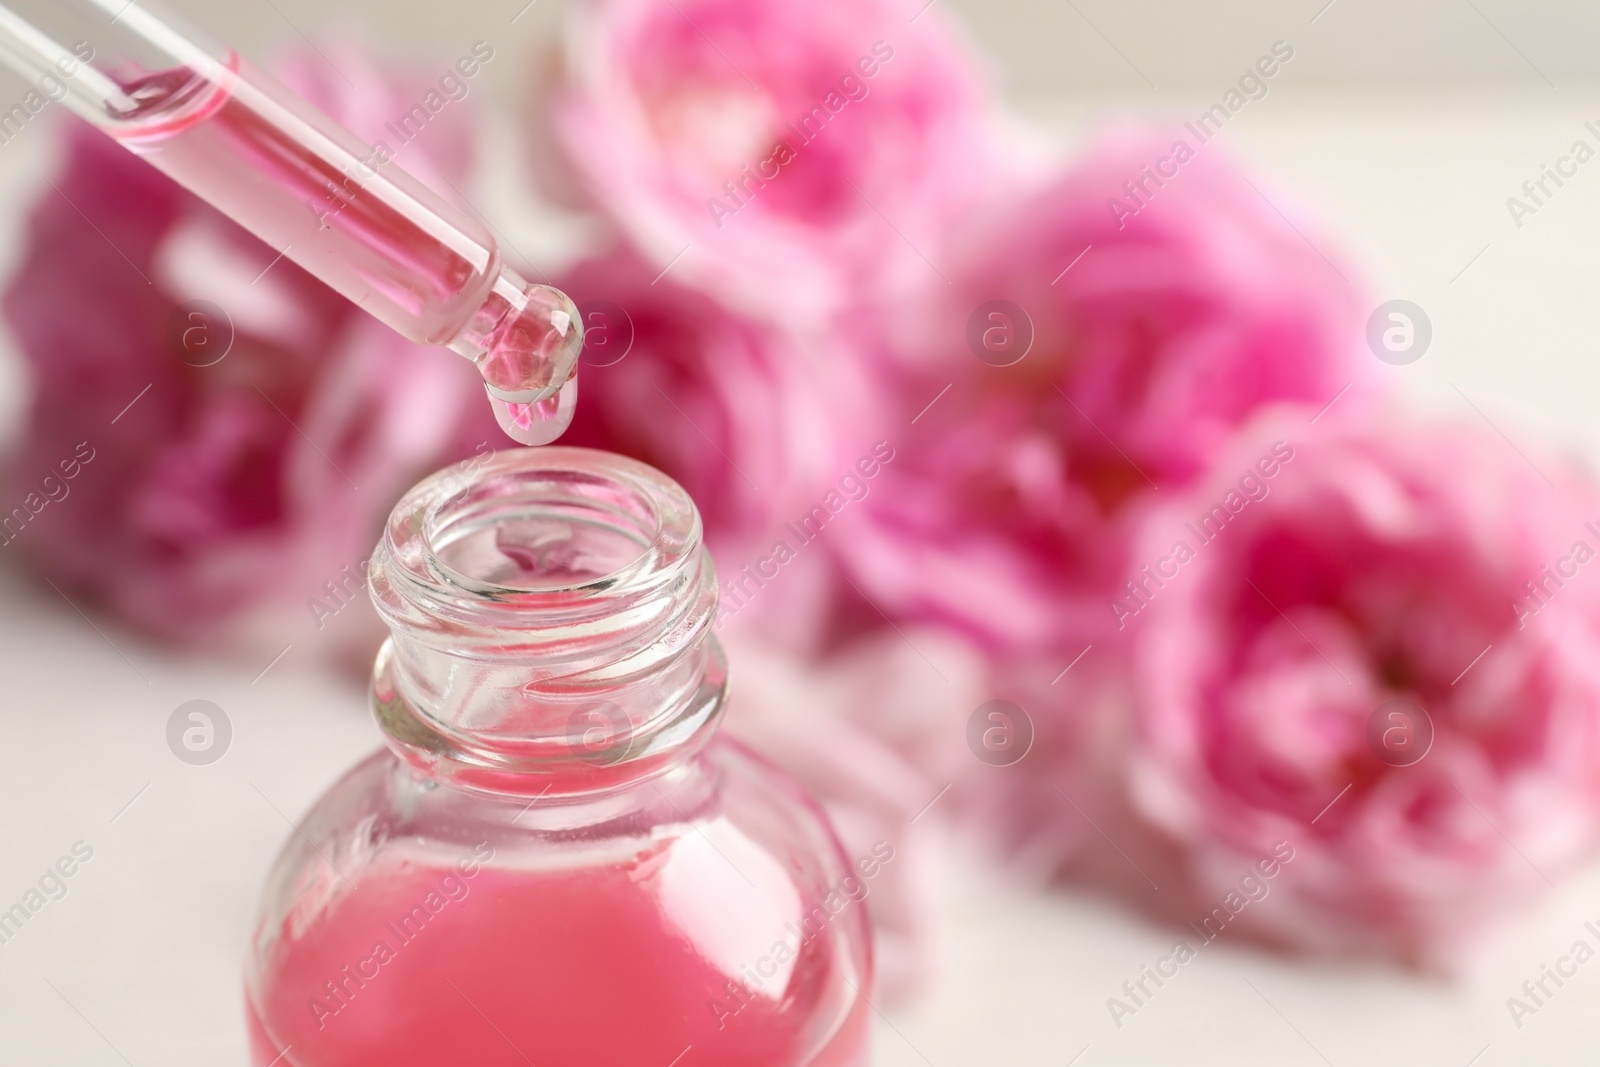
[(757, 421), (781, 155), (876, 733), (1386, 661), (221, 499), (1130, 350)]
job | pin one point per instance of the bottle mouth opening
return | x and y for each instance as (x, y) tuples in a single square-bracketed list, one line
[(535, 534), (509, 533), (551, 613)]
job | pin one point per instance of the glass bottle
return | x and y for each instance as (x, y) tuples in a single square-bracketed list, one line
[(556, 861)]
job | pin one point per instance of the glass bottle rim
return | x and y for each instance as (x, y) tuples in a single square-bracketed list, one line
[(645, 533), (537, 597)]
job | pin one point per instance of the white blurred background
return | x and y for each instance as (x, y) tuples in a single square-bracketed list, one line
[(1058, 46)]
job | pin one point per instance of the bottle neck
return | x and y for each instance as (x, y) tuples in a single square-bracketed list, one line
[(550, 613)]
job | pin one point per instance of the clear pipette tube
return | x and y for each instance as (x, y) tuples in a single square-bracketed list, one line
[(343, 211)]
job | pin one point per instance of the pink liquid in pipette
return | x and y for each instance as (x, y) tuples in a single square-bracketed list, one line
[(569, 968), (346, 213)]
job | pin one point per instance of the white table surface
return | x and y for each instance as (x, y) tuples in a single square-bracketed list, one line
[(139, 963)]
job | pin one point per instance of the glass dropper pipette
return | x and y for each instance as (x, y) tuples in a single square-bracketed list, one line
[(341, 209)]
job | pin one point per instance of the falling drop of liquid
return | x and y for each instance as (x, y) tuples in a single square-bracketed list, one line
[(541, 422), (530, 367)]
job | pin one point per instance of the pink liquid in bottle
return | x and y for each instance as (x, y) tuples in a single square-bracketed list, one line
[(558, 860), (350, 216), (625, 964)]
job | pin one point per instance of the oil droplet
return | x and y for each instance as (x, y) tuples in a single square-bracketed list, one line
[(541, 422), (534, 349)]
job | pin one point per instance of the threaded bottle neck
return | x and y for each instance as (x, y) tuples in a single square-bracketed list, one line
[(551, 614)]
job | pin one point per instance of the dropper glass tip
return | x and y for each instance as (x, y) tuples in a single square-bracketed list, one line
[(534, 348)]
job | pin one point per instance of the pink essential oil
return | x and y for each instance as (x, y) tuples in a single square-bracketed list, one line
[(556, 862)]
